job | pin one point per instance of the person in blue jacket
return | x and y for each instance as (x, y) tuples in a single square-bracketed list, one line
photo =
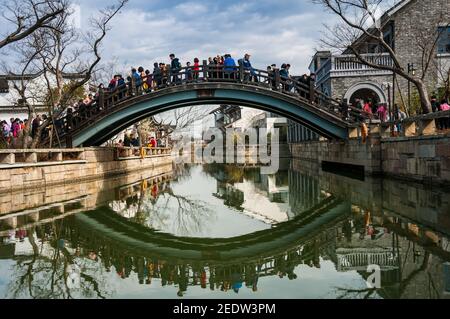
[(229, 67), (249, 71), (137, 80)]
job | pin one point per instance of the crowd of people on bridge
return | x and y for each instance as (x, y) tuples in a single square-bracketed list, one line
[(141, 81), (221, 67)]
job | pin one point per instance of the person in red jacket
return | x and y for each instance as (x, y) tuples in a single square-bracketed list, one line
[(196, 68), (153, 143)]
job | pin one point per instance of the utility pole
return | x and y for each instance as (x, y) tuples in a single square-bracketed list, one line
[(412, 71)]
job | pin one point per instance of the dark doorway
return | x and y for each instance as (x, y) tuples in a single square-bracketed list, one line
[(365, 95)]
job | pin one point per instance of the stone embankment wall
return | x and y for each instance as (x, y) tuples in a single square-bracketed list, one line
[(424, 159), (69, 166)]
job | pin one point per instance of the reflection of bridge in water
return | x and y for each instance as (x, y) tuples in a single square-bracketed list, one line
[(266, 243), (331, 230)]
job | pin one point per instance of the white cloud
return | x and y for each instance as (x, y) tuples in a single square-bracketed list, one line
[(141, 38)]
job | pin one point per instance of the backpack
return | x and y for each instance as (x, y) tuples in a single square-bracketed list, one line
[(177, 65)]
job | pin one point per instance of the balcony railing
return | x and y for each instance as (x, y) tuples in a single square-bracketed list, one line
[(349, 65)]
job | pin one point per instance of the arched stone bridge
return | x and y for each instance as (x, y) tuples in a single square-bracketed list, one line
[(114, 111)]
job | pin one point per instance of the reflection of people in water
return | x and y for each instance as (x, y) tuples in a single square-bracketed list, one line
[(229, 278), (93, 256), (212, 278), (347, 230), (140, 268), (21, 234), (183, 281), (291, 263), (155, 191), (203, 278), (236, 281), (280, 265)]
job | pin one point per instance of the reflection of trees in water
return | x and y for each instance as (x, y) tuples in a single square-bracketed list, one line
[(44, 274), (232, 174), (182, 171), (191, 215), (156, 205), (58, 245), (232, 197)]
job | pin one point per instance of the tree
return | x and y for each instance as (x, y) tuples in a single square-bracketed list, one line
[(359, 23), (173, 122), (63, 58), (28, 16), (65, 52)]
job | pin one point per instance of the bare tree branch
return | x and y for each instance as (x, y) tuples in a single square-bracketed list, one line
[(28, 16)]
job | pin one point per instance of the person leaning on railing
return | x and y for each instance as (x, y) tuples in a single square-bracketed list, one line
[(446, 120), (157, 75), (249, 71), (175, 68), (196, 68), (148, 81), (189, 74), (229, 67), (344, 109)]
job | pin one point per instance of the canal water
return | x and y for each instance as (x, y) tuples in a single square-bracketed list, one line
[(222, 231)]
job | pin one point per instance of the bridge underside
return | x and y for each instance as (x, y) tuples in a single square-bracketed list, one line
[(133, 110)]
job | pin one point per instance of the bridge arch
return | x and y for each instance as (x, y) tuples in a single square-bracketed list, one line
[(111, 122)]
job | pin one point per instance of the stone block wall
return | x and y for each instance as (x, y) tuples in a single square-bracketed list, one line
[(415, 23), (96, 191), (424, 159), (97, 163), (352, 152)]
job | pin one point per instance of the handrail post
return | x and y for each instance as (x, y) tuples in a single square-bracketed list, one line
[(101, 99), (241, 72), (312, 91), (205, 69), (133, 86), (69, 142)]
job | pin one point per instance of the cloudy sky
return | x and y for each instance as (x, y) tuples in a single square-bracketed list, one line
[(273, 31), (147, 31)]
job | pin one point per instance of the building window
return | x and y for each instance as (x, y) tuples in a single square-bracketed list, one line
[(388, 36), (444, 40)]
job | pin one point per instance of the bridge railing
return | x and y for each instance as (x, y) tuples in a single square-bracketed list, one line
[(141, 152), (422, 125), (107, 100), (36, 157)]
